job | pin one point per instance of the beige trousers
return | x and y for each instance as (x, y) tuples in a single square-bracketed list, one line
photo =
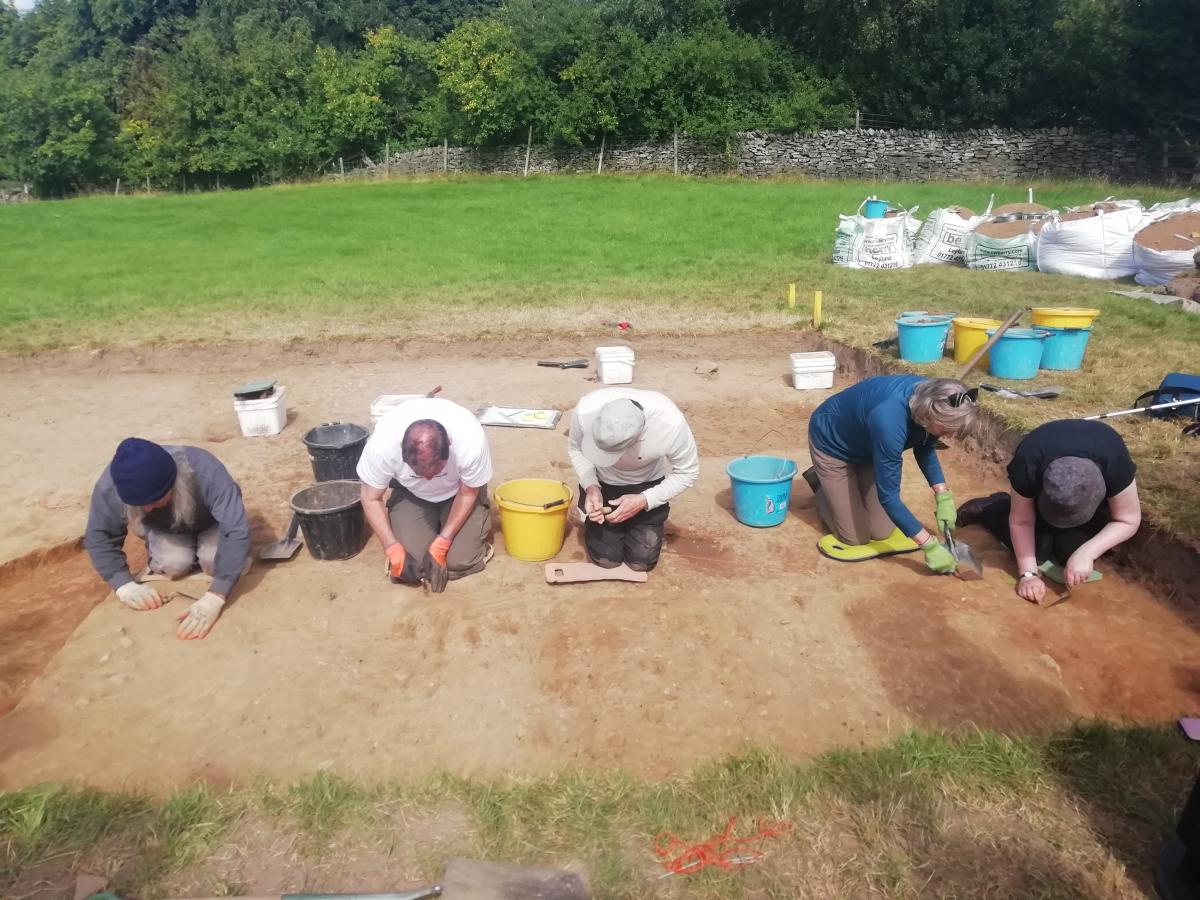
[(848, 502), (416, 523)]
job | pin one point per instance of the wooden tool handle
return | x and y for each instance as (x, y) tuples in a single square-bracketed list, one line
[(982, 351)]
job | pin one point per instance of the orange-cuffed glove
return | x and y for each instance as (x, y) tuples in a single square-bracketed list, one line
[(401, 568), (437, 573)]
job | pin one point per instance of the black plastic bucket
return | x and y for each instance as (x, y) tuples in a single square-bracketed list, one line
[(331, 518), (334, 449)]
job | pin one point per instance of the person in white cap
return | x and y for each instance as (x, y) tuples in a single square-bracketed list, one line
[(634, 453)]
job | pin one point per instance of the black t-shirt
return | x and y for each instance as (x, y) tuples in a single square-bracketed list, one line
[(1070, 437)]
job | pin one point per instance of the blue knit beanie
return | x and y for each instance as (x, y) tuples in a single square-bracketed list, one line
[(142, 471)]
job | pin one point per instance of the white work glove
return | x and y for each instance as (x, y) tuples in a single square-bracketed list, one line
[(139, 596), (198, 619)]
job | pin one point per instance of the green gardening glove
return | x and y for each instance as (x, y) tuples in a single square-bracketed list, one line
[(946, 511), (938, 558)]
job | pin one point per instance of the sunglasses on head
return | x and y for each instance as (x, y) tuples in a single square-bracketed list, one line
[(957, 400)]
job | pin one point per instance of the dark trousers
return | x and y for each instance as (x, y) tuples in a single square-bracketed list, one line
[(636, 542), (1050, 543), (1189, 832)]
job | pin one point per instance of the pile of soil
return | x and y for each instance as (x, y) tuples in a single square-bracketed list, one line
[(963, 212), (1186, 286), (1178, 232), (1020, 208), (1011, 229), (1089, 212)]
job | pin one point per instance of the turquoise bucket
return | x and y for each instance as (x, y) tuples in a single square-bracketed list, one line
[(876, 209), (1018, 353), (1064, 347), (923, 339), (762, 486)]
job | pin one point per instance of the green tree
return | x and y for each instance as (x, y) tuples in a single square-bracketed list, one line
[(717, 82), (373, 95), (493, 87), (56, 129)]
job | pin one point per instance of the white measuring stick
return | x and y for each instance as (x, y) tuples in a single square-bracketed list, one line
[(1142, 409)]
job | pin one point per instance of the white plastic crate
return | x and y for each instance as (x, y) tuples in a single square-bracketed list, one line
[(615, 364), (264, 416), (385, 403), (813, 371)]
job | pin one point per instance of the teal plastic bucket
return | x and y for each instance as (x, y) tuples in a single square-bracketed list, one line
[(876, 209), (923, 339), (1064, 347), (762, 486), (1018, 353)]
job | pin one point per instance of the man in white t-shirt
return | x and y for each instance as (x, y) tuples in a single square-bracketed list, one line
[(633, 452), (436, 525)]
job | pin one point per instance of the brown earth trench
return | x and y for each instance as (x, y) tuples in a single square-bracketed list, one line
[(741, 636)]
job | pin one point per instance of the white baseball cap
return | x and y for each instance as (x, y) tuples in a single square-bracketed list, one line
[(615, 428)]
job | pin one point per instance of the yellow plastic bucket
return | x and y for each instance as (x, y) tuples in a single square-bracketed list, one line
[(1063, 316), (533, 517), (969, 335)]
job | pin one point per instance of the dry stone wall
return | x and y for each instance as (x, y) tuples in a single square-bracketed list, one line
[(15, 195), (845, 153)]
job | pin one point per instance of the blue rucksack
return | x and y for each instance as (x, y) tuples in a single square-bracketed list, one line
[(1176, 386)]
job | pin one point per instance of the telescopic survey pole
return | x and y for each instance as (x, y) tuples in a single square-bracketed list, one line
[(1175, 404)]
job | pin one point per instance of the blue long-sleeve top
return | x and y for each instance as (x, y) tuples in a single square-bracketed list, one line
[(869, 424)]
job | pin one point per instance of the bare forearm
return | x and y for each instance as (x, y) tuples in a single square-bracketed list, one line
[(460, 511), (1109, 536), (1024, 544), (381, 524)]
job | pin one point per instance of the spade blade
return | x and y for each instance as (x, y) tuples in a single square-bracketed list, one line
[(968, 568)]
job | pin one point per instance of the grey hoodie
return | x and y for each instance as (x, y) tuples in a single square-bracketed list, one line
[(219, 502)]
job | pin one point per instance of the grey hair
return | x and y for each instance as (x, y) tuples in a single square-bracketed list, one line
[(183, 501), (930, 405)]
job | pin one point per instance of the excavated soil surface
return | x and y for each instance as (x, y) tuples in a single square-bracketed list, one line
[(742, 635), (1179, 232), (1020, 208)]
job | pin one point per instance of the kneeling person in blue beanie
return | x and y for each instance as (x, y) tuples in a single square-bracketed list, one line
[(187, 508)]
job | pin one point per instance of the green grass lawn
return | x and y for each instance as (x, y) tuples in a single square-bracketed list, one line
[(1079, 814), (476, 257)]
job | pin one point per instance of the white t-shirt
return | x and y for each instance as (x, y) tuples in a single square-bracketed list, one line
[(665, 450), (470, 461)]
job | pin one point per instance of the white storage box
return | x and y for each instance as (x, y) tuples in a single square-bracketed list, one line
[(615, 364), (385, 403), (812, 371), (264, 416)]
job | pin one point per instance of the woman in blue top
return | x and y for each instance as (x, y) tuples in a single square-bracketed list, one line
[(857, 438)]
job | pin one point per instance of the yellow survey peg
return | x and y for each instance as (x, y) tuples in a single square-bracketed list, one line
[(792, 296), (816, 309)]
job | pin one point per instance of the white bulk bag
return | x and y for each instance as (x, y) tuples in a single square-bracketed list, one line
[(862, 243), (1100, 246), (1169, 207), (942, 236), (1161, 266), (1003, 253)]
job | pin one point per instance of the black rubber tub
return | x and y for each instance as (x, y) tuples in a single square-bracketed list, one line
[(334, 449), (331, 518)]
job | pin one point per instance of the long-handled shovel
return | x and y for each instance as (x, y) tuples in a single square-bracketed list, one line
[(982, 351)]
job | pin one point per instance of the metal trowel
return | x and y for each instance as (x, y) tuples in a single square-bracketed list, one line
[(286, 548), (967, 567)]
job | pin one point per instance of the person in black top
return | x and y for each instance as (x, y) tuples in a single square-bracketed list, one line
[(1074, 497)]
